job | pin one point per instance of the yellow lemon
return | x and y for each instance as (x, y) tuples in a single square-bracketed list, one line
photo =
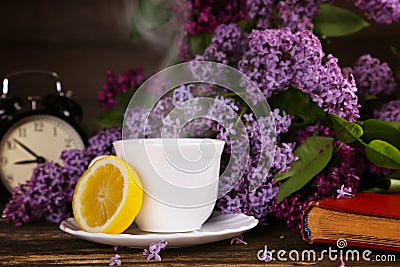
[(107, 197)]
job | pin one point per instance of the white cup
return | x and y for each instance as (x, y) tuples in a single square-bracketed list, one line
[(180, 180)]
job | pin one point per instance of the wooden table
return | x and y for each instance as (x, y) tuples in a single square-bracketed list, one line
[(43, 244)]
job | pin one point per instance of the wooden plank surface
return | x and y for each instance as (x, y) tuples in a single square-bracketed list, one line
[(43, 244)]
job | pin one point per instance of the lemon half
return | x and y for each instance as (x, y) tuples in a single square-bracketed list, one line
[(107, 197)]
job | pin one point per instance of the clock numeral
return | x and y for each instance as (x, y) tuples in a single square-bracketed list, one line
[(54, 131), (22, 132), (3, 161), (68, 142), (10, 145), (38, 126)]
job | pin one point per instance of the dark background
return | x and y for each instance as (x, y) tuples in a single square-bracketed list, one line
[(81, 40)]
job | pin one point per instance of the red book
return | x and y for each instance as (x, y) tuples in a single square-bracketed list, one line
[(368, 220)]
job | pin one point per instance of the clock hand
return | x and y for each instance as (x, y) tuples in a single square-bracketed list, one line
[(38, 160), (26, 148)]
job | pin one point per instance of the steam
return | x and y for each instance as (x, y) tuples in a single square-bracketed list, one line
[(159, 38)]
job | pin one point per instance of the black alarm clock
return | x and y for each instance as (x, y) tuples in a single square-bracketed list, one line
[(37, 135)]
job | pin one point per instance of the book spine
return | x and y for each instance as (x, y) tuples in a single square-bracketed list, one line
[(305, 230)]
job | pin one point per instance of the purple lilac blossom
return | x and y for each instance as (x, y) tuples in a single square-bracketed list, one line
[(389, 111), (330, 90), (382, 11), (267, 61), (289, 210), (278, 58), (48, 194), (292, 14), (227, 45), (373, 77), (344, 192), (181, 94), (114, 86), (261, 11), (154, 250), (351, 164), (283, 157), (101, 143), (282, 123), (205, 16), (259, 202), (115, 260), (379, 171), (238, 240)]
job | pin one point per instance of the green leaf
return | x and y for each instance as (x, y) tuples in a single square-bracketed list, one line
[(377, 129), (299, 104), (395, 175), (199, 42), (125, 97), (335, 22), (314, 154), (111, 118), (383, 154), (395, 124), (148, 16), (284, 175), (346, 131)]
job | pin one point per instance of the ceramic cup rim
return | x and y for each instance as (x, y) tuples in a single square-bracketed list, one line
[(170, 141)]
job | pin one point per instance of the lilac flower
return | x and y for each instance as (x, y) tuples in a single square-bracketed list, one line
[(344, 192), (373, 77), (382, 11), (379, 171), (115, 260), (116, 85), (203, 16), (289, 210), (238, 240), (348, 170), (389, 111), (329, 89), (266, 62), (257, 202), (260, 201), (101, 143), (181, 94), (278, 58), (293, 16), (283, 157), (154, 250), (261, 11), (75, 162), (47, 194), (227, 45), (282, 123), (233, 202)]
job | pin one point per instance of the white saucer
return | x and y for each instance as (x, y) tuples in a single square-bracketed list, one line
[(218, 227)]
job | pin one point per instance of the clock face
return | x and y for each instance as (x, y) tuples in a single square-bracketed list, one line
[(32, 140)]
